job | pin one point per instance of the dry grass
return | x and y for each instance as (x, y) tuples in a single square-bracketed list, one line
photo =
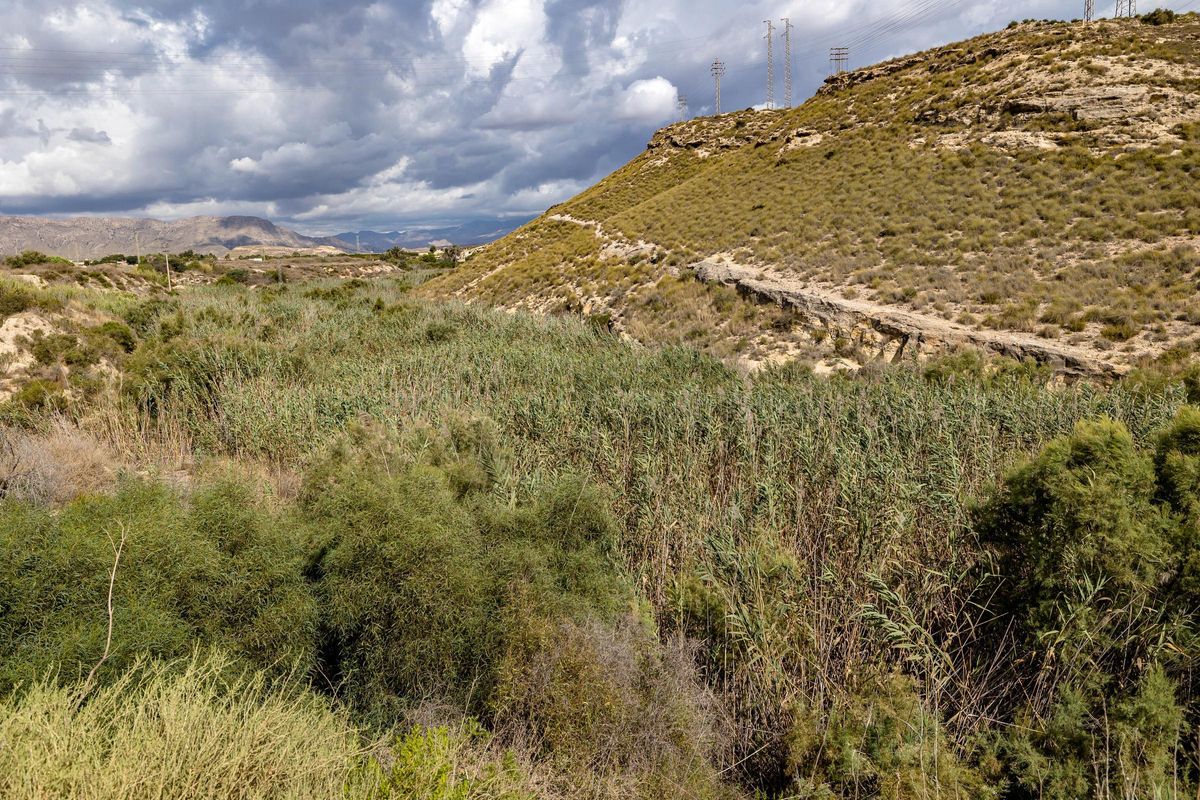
[(198, 733), (55, 464), (617, 713)]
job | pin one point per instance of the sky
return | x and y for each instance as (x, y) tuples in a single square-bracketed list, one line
[(338, 116)]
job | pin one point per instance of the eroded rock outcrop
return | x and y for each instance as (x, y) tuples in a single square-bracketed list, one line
[(891, 334)]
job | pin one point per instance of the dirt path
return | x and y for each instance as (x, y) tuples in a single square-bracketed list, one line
[(912, 332), (902, 333)]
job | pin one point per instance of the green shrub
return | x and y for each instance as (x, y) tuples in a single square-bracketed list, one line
[(1080, 510), (1084, 747), (1120, 331), (1191, 383), (113, 258), (1159, 16), (882, 743), (237, 275), (419, 567), (403, 589), (143, 315), (444, 763), (963, 364), (1097, 543), (213, 571), (14, 299), (440, 332), (119, 333), (38, 395), (31, 257), (57, 347), (1177, 464)]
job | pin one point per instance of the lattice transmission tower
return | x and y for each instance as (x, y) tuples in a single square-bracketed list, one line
[(838, 56), (770, 37), (1126, 8), (1089, 10), (717, 69), (787, 62)]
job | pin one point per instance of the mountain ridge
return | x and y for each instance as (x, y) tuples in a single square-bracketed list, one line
[(94, 237), (89, 237)]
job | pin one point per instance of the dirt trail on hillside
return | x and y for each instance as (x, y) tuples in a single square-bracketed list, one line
[(909, 334), (894, 334)]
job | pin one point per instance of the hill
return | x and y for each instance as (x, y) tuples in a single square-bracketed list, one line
[(1032, 191), (95, 237)]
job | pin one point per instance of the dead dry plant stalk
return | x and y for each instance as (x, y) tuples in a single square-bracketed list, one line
[(118, 547)]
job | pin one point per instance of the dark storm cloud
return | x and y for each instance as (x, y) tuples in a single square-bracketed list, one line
[(381, 113), (456, 163), (55, 40)]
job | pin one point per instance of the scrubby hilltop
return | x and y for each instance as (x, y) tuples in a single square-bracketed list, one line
[(1033, 192)]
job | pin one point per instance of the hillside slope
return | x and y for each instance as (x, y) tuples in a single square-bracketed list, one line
[(1034, 191), (96, 237)]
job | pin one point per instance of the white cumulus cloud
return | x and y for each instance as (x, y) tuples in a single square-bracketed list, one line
[(651, 100), (502, 29)]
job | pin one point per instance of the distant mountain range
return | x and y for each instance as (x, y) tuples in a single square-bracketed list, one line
[(93, 237), (473, 232)]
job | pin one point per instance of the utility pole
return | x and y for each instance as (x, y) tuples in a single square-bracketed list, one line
[(838, 56), (717, 69), (787, 61), (770, 37), (1089, 10), (137, 246), (681, 106), (167, 256), (357, 244)]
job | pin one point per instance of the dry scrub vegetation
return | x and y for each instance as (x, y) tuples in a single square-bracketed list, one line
[(372, 546), (273, 535)]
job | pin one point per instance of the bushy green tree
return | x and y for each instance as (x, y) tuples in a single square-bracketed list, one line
[(426, 577), (1081, 512), (1094, 541)]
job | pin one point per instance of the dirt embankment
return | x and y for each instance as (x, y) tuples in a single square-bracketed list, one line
[(876, 332), (893, 334)]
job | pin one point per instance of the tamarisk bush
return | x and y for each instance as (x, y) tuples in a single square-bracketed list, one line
[(1095, 545)]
